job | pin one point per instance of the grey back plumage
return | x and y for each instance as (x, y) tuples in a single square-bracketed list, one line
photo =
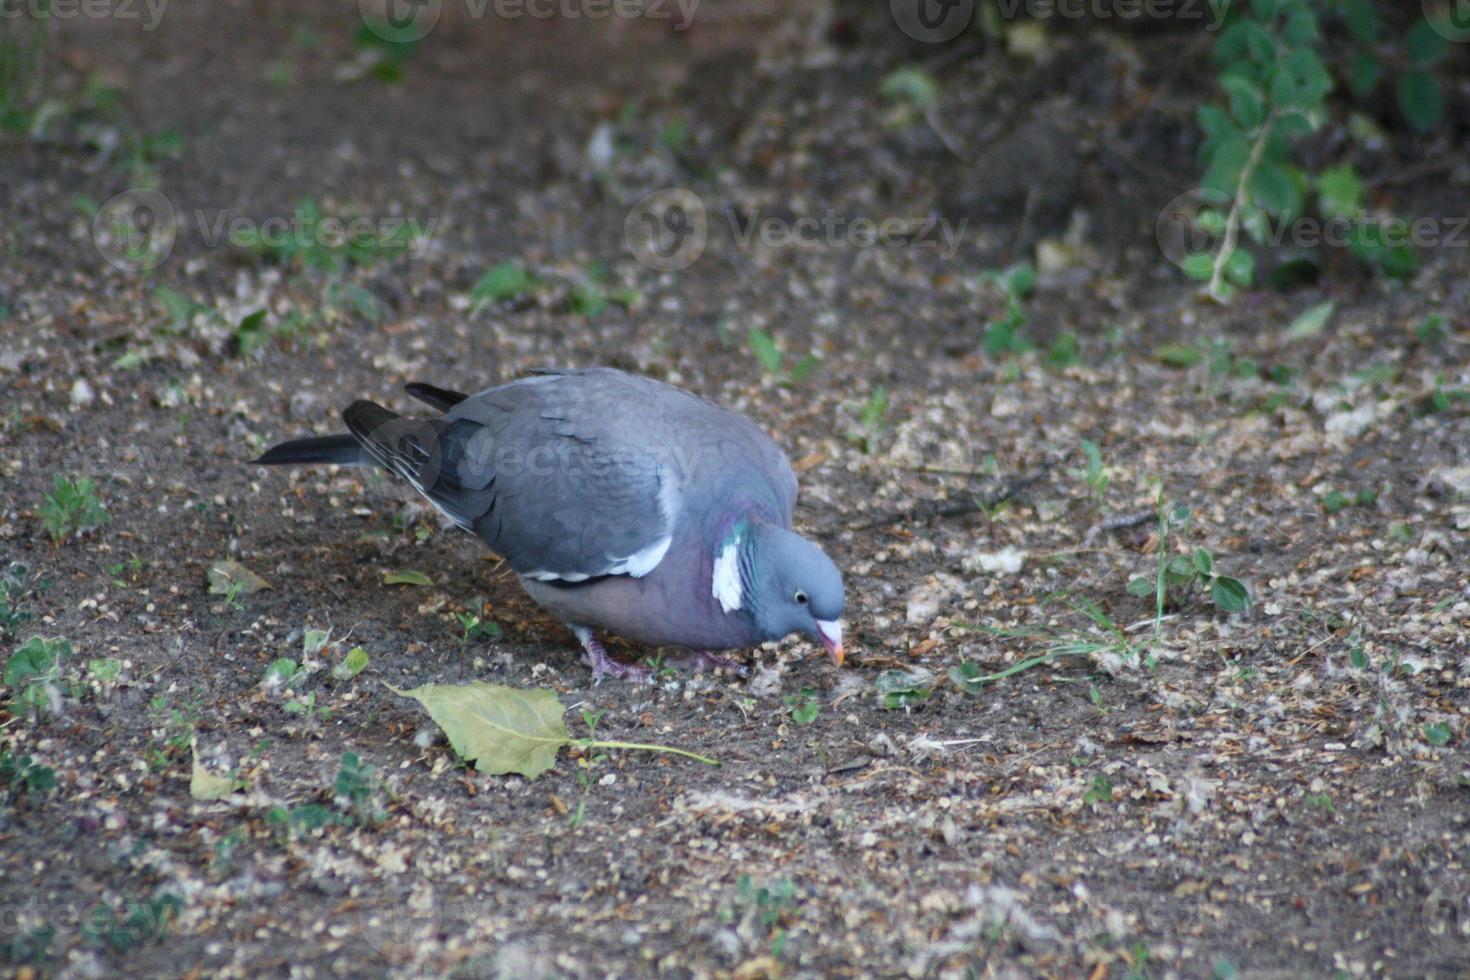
[(572, 475)]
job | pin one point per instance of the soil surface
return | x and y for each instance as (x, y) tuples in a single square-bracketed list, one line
[(1279, 792)]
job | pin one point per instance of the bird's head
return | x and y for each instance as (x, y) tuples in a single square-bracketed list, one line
[(792, 587)]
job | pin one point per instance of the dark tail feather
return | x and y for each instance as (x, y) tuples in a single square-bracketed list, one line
[(441, 398), (342, 449)]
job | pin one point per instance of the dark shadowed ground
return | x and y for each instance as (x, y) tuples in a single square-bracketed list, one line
[(1281, 792)]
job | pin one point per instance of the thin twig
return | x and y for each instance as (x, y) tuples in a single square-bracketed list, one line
[(1118, 523), (1232, 223)]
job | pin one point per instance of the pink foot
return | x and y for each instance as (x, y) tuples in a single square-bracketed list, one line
[(602, 662)]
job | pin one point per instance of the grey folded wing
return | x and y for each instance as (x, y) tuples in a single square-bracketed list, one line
[(561, 483)]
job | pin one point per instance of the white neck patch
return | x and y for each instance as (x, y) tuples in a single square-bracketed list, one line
[(725, 581)]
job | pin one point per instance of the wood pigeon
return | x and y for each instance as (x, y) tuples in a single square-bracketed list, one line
[(623, 504)]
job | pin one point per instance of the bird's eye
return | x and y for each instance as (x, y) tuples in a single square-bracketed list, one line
[(800, 597)]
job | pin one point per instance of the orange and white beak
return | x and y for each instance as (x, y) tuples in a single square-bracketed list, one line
[(831, 639)]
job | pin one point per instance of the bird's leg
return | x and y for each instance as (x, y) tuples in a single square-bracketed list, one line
[(699, 660), (602, 662)]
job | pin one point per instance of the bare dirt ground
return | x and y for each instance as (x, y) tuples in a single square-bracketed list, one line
[(1278, 792)]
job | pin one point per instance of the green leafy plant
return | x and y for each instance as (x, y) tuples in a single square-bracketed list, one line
[(1416, 91), (803, 707), (22, 774), (1274, 86), (1100, 790), (72, 508), (34, 676), (904, 689), (356, 790), (1004, 335), (354, 662), (1177, 576), (510, 730), (476, 627), (773, 361)]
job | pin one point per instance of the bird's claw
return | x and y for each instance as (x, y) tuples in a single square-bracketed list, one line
[(604, 665)]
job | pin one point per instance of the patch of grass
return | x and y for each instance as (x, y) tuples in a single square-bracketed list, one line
[(499, 283), (1335, 501), (321, 243), (590, 295), (173, 730), (1065, 352), (773, 361), (871, 420), (72, 508), (1175, 578), (1093, 473)]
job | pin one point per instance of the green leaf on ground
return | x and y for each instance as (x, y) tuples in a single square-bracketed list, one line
[(510, 730), (406, 578), (500, 729), (1309, 322)]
